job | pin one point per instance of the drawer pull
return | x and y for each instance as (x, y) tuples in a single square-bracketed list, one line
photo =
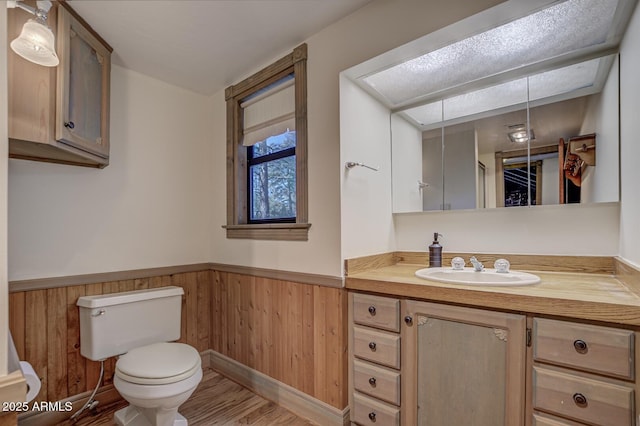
[(580, 346), (408, 320), (372, 381), (580, 400), (372, 346), (372, 416), (372, 310)]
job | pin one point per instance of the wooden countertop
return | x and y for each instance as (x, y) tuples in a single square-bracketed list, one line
[(594, 297)]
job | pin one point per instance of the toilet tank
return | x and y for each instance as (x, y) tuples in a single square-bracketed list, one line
[(112, 324)]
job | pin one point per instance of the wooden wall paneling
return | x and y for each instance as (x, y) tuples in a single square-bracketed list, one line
[(76, 363), (178, 280), (331, 344), (160, 281), (225, 322), (258, 338), (293, 316), (141, 283), (36, 336), (320, 344), (57, 343), (216, 311), (16, 321), (92, 368), (109, 363), (253, 340), (203, 310), (308, 377), (266, 328), (277, 331), (190, 286)]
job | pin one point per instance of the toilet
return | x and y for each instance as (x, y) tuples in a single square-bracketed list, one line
[(154, 375)]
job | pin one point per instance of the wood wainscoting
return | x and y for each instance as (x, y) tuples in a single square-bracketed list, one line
[(295, 333), (46, 329)]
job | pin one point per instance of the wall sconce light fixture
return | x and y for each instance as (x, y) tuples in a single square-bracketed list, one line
[(36, 42)]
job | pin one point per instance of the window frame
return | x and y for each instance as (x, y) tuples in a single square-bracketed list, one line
[(238, 223)]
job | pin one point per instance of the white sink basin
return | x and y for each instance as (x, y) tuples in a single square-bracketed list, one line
[(468, 276)]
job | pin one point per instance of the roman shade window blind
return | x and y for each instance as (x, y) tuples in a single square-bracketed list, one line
[(269, 113)]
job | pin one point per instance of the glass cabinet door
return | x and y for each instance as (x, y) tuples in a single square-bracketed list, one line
[(83, 88), (462, 366)]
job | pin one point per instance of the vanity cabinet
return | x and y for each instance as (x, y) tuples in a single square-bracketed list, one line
[(462, 366), (374, 370), (582, 373), (422, 363), (61, 114)]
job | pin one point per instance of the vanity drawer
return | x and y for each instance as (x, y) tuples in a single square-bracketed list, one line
[(377, 381), (368, 411), (376, 311), (582, 398), (540, 419), (602, 350), (377, 346)]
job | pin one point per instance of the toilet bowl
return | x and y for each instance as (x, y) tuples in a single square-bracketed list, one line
[(156, 379), (154, 375)]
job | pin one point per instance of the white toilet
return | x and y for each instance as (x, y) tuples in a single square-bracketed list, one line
[(154, 376)]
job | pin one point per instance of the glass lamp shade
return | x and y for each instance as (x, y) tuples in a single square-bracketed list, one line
[(36, 44)]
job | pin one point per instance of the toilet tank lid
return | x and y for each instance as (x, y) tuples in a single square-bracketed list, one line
[(110, 299)]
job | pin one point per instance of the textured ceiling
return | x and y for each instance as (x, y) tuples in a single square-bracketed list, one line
[(205, 46)]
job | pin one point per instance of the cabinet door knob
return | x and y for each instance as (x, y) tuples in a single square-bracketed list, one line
[(372, 346), (580, 400), (372, 310), (580, 346), (372, 416), (372, 381), (408, 320), (69, 125)]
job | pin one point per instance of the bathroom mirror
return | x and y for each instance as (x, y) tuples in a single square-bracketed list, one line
[(476, 155), (544, 71)]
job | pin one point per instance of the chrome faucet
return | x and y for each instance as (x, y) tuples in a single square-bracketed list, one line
[(477, 265)]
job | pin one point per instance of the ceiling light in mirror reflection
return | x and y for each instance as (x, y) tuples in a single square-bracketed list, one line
[(557, 30)]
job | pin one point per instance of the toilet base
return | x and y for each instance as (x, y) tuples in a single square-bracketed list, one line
[(133, 416)]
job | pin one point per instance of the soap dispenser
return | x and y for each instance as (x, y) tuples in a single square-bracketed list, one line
[(435, 252)]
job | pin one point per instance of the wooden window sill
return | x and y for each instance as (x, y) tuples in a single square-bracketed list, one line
[(270, 231)]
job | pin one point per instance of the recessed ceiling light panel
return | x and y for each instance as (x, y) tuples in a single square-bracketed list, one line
[(560, 29)]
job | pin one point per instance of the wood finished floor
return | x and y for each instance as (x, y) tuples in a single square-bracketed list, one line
[(216, 401)]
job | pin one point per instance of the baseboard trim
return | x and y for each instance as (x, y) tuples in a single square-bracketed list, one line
[(284, 395)]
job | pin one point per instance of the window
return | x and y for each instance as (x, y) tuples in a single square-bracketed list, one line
[(266, 152)]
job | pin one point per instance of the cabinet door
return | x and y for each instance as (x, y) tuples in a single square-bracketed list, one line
[(462, 366), (82, 110)]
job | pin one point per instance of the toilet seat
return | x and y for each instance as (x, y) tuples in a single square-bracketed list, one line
[(158, 364)]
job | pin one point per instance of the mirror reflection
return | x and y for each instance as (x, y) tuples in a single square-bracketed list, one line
[(547, 138)]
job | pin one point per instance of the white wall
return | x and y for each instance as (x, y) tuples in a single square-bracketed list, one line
[(489, 161), (550, 181), (406, 163), (629, 145), (370, 31), (366, 124), (552, 230), (460, 170), (601, 183), (4, 300), (148, 208)]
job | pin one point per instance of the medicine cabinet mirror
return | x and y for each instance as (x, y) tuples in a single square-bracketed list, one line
[(503, 112)]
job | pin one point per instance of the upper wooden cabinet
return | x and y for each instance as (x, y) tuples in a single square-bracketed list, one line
[(61, 114)]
